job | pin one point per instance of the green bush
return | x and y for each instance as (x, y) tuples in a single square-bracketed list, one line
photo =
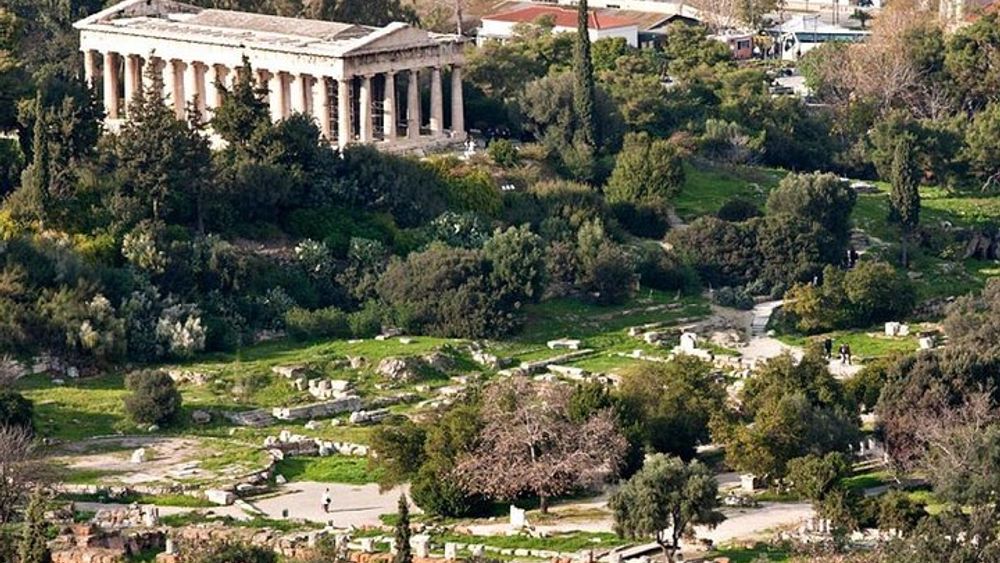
[(15, 410), (154, 398), (735, 297), (504, 153), (738, 209), (367, 321), (328, 322)]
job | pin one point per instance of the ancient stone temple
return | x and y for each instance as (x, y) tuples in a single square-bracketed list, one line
[(362, 84)]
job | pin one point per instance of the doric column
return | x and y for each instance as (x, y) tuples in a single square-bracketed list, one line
[(437, 102), (276, 96), (90, 67), (344, 128), (457, 102), (111, 84), (309, 94), (194, 91), (413, 105), (173, 86), (365, 110), (321, 106), (297, 90), (215, 76), (389, 108), (132, 80)]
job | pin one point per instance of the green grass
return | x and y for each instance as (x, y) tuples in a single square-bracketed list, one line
[(332, 469), (79, 409), (864, 343), (708, 186), (760, 552), (867, 480), (565, 542), (926, 497), (72, 476)]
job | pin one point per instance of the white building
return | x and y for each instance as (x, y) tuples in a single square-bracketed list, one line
[(500, 26), (360, 83), (801, 34)]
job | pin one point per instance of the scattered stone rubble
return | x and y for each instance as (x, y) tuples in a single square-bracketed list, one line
[(326, 409)]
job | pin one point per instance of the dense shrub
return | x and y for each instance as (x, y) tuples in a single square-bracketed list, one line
[(610, 275), (723, 253), (504, 153), (647, 219), (445, 292), (328, 322), (645, 169), (735, 297), (153, 398), (15, 409), (367, 321), (872, 292), (738, 209), (659, 269)]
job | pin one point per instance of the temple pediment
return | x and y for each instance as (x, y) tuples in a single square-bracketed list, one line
[(137, 9), (394, 36)]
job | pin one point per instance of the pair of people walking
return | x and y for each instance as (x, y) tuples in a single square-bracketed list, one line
[(844, 351)]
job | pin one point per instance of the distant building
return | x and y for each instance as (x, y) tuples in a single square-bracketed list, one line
[(500, 26), (739, 43), (956, 13), (801, 34)]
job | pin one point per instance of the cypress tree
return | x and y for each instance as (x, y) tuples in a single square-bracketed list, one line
[(904, 199), (403, 554), (583, 86), (37, 178), (34, 546)]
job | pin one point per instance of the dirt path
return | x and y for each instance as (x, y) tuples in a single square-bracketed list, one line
[(353, 505)]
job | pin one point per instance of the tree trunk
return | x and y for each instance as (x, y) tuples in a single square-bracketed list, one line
[(458, 16), (543, 504), (905, 259)]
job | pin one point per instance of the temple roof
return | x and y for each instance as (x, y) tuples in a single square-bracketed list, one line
[(167, 19)]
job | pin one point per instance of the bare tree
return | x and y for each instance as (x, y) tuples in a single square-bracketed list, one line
[(21, 469), (529, 444)]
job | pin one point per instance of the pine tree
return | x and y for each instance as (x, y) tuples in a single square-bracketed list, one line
[(34, 544), (584, 97), (403, 554), (904, 199), (164, 163), (243, 109)]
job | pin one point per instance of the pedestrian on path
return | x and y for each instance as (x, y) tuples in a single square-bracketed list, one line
[(828, 347), (326, 501)]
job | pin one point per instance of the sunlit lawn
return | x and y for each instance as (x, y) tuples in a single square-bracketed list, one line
[(331, 469), (864, 343), (708, 187)]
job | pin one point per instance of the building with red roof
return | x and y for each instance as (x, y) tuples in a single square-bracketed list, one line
[(600, 25)]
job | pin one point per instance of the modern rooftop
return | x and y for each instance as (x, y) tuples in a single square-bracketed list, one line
[(563, 17)]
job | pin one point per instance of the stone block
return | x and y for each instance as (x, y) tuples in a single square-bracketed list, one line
[(220, 497)]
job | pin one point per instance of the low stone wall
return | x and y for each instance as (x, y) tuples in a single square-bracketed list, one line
[(86, 543)]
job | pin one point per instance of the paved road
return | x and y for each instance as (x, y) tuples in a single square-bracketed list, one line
[(353, 505)]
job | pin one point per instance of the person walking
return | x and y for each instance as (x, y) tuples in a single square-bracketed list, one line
[(326, 501), (847, 353), (843, 354), (828, 347)]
